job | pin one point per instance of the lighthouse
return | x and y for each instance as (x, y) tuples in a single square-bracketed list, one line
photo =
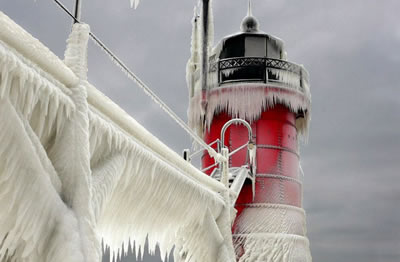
[(249, 77)]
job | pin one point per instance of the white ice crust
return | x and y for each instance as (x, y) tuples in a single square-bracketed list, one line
[(263, 231), (75, 168), (246, 100)]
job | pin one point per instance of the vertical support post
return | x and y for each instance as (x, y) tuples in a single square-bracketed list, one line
[(186, 155), (250, 9), (225, 167), (219, 73), (204, 52), (301, 79), (77, 11), (265, 69), (226, 219)]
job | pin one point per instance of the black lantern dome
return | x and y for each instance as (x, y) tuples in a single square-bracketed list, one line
[(249, 24), (252, 55), (250, 42)]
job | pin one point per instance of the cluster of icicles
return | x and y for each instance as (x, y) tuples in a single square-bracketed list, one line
[(248, 101), (72, 173), (243, 100)]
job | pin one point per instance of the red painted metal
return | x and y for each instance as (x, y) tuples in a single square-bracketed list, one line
[(276, 138)]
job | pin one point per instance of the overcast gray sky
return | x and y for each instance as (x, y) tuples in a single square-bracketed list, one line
[(351, 49)]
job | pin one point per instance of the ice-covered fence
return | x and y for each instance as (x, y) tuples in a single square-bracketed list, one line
[(75, 167)]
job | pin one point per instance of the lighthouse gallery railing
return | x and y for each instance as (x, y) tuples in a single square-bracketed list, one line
[(260, 69)]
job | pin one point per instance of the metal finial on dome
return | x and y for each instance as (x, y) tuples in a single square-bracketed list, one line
[(249, 23), (249, 9)]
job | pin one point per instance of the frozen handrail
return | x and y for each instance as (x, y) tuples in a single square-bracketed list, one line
[(107, 107), (285, 72), (11, 34), (238, 149), (217, 141), (234, 121), (218, 157)]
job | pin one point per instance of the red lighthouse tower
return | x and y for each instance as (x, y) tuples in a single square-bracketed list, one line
[(249, 77)]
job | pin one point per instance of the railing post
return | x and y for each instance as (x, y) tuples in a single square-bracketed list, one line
[(204, 52), (77, 11), (219, 73), (265, 71), (225, 167), (186, 155), (225, 222), (301, 79)]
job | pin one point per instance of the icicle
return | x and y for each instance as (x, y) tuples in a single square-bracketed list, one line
[(248, 101), (60, 120), (134, 3), (4, 80), (176, 203), (52, 113), (23, 43), (227, 72), (31, 84), (144, 172), (24, 99), (14, 90), (28, 103)]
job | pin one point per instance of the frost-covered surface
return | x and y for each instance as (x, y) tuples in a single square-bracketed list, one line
[(272, 232), (129, 125), (33, 50), (45, 92), (276, 247), (267, 232), (193, 62), (210, 25), (247, 101), (73, 172), (272, 218)]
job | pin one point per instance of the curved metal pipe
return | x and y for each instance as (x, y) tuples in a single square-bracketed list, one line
[(234, 121)]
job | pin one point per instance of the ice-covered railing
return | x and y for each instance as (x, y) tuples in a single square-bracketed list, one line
[(74, 164), (54, 68), (147, 90), (263, 69), (256, 70), (264, 82)]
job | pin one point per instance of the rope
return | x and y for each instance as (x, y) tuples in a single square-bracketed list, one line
[(146, 89), (66, 10)]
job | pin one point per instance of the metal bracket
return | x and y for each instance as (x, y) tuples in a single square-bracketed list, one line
[(238, 180)]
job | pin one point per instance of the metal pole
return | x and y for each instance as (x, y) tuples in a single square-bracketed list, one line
[(77, 11), (249, 10), (204, 53)]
